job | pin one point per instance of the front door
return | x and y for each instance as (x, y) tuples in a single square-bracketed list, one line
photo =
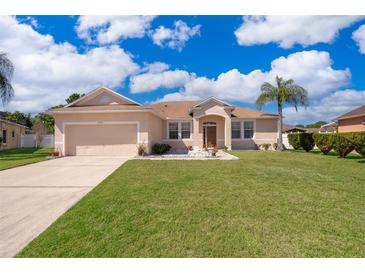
[(211, 136)]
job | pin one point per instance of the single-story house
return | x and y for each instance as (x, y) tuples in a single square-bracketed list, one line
[(290, 129), (10, 134), (104, 122), (329, 128), (352, 121)]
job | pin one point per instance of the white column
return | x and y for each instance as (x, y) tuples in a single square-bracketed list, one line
[(227, 133)]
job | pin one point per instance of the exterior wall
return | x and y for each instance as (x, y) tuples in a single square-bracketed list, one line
[(178, 144), (11, 142), (265, 132), (352, 124), (142, 118), (155, 130)]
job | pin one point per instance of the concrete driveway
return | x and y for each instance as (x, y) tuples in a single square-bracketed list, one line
[(32, 197)]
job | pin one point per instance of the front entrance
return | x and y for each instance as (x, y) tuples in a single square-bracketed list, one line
[(209, 134)]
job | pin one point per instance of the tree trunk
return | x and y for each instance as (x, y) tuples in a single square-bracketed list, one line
[(280, 127)]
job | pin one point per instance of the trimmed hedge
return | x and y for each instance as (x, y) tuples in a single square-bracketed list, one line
[(343, 144), (306, 141), (324, 141), (294, 140), (358, 140), (160, 148), (301, 140)]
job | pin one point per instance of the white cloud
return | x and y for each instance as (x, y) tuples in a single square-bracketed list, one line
[(327, 108), (289, 30), (109, 29), (310, 69), (359, 37), (46, 72), (155, 67), (153, 80), (174, 38)]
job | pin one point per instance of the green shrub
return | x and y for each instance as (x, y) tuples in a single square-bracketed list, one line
[(324, 141), (343, 144), (160, 148), (264, 146), (275, 146), (294, 140), (358, 140), (306, 141)]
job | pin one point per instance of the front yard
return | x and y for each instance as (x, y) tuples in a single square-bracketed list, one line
[(22, 156), (267, 204)]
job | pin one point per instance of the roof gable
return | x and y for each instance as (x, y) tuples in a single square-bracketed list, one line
[(101, 97), (210, 100)]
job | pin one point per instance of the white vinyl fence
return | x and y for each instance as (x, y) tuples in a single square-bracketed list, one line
[(286, 141), (30, 140)]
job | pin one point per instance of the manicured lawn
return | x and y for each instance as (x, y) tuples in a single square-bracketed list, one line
[(22, 156), (268, 204)]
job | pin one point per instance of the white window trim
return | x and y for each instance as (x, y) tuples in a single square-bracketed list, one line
[(242, 137), (254, 130), (240, 130), (179, 130)]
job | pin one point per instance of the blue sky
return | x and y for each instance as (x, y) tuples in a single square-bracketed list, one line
[(188, 57)]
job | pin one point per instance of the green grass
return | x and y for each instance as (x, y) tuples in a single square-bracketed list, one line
[(22, 156), (267, 204)]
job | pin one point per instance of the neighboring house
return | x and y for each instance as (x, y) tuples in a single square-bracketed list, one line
[(106, 123), (329, 128), (10, 134), (352, 121), (291, 129)]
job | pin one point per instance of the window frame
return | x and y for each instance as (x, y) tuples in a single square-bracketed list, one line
[(240, 123), (253, 129), (4, 136), (179, 122), (242, 135), (168, 131), (190, 129)]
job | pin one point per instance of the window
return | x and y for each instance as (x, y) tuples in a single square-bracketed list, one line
[(4, 136), (248, 129), (236, 130), (185, 130), (13, 134), (174, 130)]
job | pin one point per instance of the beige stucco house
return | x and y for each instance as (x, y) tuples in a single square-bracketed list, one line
[(106, 123), (10, 134), (352, 121)]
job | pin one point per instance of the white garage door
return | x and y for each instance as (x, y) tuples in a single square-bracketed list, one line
[(103, 140)]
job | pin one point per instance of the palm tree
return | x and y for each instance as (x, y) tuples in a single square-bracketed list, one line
[(285, 91), (6, 73)]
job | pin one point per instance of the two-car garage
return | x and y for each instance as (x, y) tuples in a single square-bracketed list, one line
[(102, 139)]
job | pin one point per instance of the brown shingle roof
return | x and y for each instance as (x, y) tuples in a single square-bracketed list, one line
[(174, 109), (356, 112), (181, 109), (241, 112)]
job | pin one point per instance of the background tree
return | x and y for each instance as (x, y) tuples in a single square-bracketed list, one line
[(316, 124), (73, 97), (45, 120), (20, 118), (6, 73), (286, 92)]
